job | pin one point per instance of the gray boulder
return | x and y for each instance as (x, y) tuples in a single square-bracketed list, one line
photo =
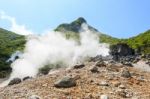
[(26, 78), (65, 82), (120, 49), (15, 81), (94, 69), (78, 66)]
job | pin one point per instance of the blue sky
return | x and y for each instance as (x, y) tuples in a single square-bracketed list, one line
[(118, 18)]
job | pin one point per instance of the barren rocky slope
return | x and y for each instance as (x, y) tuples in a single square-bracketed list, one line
[(91, 80)]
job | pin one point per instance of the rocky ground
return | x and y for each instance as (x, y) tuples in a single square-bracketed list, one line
[(90, 80)]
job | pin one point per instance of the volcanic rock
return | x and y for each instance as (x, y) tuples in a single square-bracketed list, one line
[(128, 64), (120, 49), (15, 81), (121, 93), (100, 64), (65, 82), (125, 93), (78, 66), (26, 78), (122, 86), (94, 69), (97, 58), (90, 82), (104, 83), (125, 73)]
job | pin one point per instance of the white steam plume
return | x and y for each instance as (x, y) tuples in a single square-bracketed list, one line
[(19, 29), (142, 66), (53, 47), (15, 55)]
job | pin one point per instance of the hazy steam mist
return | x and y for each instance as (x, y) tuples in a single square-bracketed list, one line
[(53, 47)]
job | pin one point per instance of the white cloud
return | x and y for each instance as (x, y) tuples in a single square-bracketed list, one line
[(19, 29)]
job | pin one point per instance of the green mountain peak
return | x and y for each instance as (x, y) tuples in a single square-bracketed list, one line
[(74, 26)]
